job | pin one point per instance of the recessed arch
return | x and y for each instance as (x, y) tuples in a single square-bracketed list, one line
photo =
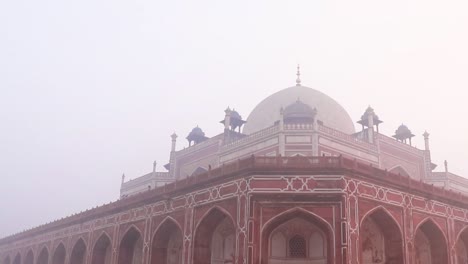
[(398, 169), (381, 238), (59, 254), (7, 260), (43, 257), (78, 253), (198, 171), (17, 259), (430, 244), (29, 259), (314, 230), (461, 246), (102, 250), (167, 243), (215, 238), (131, 247)]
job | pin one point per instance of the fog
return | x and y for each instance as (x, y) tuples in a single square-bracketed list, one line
[(93, 89)]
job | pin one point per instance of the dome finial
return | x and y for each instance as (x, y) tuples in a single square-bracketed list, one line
[(298, 80)]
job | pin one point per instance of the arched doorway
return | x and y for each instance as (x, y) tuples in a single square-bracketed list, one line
[(78, 252), (166, 247), (29, 258), (17, 259), (296, 237), (462, 247), (430, 246), (215, 239), (59, 255), (43, 257), (102, 251), (131, 247), (381, 239)]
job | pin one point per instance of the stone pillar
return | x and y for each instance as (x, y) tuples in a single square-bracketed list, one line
[(315, 136), (227, 119), (282, 137), (174, 140), (227, 126), (426, 140), (171, 157), (370, 129)]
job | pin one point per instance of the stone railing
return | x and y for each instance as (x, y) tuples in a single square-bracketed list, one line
[(205, 144), (251, 138), (346, 137), (399, 144), (298, 126)]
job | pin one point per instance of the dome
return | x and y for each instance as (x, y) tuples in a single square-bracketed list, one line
[(196, 131), (299, 112), (403, 132), (235, 115), (197, 135), (329, 112)]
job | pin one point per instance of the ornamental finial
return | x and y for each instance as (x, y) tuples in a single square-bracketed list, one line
[(298, 80)]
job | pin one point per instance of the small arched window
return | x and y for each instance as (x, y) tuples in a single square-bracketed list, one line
[(297, 247)]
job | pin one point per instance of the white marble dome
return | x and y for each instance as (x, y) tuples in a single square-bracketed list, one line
[(329, 112)]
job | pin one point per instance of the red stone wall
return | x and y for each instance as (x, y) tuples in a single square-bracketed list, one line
[(336, 201)]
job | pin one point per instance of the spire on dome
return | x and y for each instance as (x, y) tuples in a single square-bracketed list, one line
[(298, 80)]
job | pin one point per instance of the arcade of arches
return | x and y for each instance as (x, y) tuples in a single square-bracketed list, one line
[(222, 225), (296, 237), (293, 237)]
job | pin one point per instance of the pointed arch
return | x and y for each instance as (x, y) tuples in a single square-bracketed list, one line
[(29, 259), (198, 171), (131, 247), (314, 230), (17, 259), (381, 237), (430, 244), (43, 257), (167, 243), (215, 238), (59, 254), (78, 253), (461, 246), (398, 169), (102, 250), (7, 260)]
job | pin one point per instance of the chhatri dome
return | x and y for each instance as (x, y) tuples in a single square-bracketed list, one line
[(329, 112)]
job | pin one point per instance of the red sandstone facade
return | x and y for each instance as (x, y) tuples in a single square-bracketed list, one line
[(266, 210), (298, 185)]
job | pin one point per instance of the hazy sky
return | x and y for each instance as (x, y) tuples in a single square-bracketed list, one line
[(91, 89)]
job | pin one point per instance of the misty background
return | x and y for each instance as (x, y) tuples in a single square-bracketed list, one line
[(93, 89)]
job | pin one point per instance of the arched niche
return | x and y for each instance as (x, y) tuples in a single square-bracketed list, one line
[(198, 171), (102, 250), (167, 244), (297, 241), (381, 239), (430, 246), (59, 255), (17, 259), (215, 239), (462, 247), (131, 247), (29, 259), (43, 257), (399, 170), (296, 237), (78, 252)]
